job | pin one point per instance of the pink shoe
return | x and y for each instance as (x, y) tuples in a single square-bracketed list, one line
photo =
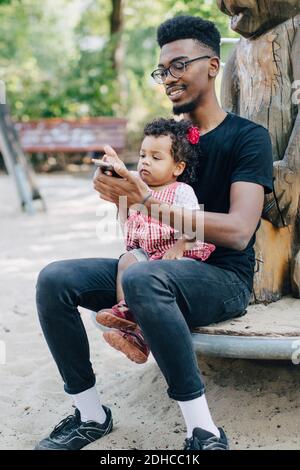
[(131, 343), (119, 316)]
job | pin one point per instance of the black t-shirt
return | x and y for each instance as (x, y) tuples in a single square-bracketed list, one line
[(236, 150)]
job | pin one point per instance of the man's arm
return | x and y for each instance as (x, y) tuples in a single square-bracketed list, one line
[(233, 230)]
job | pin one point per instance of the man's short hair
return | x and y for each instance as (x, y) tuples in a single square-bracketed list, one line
[(190, 27)]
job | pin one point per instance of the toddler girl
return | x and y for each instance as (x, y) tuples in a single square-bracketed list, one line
[(168, 162)]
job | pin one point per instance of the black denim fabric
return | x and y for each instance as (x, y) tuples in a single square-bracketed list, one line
[(168, 299)]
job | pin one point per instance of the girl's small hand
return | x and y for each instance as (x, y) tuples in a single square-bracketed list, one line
[(111, 157)]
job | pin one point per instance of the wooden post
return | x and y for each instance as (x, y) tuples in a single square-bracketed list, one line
[(260, 83), (16, 163)]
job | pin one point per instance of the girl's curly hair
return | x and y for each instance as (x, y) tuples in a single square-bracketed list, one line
[(181, 148)]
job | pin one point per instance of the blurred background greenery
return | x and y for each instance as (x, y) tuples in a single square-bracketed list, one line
[(74, 58)]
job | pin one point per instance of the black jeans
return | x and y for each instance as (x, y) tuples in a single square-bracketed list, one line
[(168, 299)]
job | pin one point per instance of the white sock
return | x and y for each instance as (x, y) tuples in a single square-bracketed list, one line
[(89, 405), (197, 415)]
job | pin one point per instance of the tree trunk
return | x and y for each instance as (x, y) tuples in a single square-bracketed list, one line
[(258, 84), (117, 49)]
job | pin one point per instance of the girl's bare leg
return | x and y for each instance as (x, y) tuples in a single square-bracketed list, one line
[(119, 318), (125, 261)]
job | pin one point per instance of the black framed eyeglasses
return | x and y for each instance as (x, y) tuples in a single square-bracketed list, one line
[(176, 69)]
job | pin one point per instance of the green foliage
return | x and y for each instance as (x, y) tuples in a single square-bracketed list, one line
[(208, 10), (147, 99), (56, 56)]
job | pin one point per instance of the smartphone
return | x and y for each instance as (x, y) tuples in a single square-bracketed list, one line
[(105, 166)]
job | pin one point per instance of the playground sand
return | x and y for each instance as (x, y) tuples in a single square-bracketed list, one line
[(257, 403)]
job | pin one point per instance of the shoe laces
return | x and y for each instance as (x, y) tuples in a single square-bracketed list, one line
[(191, 444), (138, 336), (63, 424), (122, 310), (211, 443)]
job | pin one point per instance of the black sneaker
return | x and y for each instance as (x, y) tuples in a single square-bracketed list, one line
[(204, 440), (73, 434)]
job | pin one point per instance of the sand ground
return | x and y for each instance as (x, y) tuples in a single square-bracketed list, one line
[(258, 403)]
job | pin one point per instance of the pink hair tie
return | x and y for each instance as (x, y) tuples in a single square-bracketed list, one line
[(193, 135)]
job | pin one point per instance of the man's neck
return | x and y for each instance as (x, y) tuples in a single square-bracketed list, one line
[(207, 116)]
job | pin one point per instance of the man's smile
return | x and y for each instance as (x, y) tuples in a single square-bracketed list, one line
[(175, 92)]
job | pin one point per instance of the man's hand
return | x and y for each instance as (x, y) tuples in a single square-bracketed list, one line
[(111, 189), (176, 251)]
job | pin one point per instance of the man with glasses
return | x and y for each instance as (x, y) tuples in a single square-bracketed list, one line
[(168, 297), (176, 69)]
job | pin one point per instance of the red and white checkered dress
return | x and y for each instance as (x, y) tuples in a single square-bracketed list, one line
[(156, 238)]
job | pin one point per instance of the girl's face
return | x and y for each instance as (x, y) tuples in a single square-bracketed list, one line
[(156, 165)]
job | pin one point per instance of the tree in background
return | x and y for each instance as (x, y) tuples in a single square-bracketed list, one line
[(116, 30), (37, 47), (71, 58)]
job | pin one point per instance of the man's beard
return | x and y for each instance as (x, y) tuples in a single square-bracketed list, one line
[(187, 107)]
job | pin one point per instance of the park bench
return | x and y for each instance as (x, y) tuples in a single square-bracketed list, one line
[(53, 136), (83, 135)]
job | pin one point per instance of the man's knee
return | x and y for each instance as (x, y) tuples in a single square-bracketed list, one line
[(142, 278), (54, 286), (53, 278)]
